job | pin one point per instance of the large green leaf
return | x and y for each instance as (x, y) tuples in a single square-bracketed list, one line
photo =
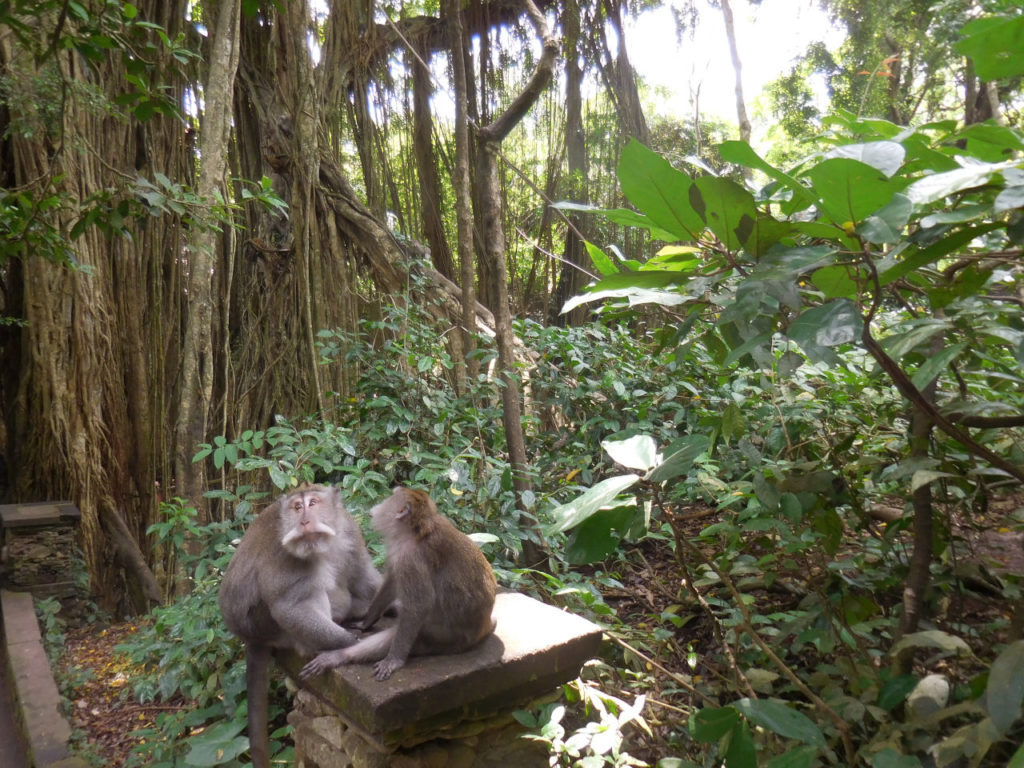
[(782, 719), (829, 325), (659, 191), (579, 509), (599, 535), (727, 208), (679, 458), (885, 156), (801, 757), (638, 287), (886, 225), (931, 638), (740, 152), (711, 724), (1004, 693), (850, 190), (995, 44), (935, 365), (637, 452), (940, 185), (623, 216)]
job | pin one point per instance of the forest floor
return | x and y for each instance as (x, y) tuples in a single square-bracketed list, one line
[(105, 712)]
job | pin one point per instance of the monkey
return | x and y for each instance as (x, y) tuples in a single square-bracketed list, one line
[(437, 580), (301, 567)]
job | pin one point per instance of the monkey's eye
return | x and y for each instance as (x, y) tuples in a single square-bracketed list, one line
[(314, 501)]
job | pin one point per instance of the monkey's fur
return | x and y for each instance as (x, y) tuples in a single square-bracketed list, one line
[(440, 582), (301, 566)]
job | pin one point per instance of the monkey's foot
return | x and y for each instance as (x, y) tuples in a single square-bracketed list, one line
[(382, 669), (323, 662)]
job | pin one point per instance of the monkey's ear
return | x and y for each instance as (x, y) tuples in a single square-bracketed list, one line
[(405, 510)]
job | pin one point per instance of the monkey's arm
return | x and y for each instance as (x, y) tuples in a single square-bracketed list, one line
[(310, 626), (417, 603), (381, 602)]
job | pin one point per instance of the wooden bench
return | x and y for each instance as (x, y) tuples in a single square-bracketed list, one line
[(444, 710)]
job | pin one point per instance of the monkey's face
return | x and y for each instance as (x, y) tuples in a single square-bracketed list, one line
[(305, 530)]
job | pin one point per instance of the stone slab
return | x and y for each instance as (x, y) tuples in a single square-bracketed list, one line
[(535, 648), (39, 514), (35, 690)]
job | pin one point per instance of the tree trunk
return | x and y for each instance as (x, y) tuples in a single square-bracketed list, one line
[(462, 185), (623, 81), (734, 52), (197, 350), (86, 391), (489, 143), (571, 277), (426, 165)]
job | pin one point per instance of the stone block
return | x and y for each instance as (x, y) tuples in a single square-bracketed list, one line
[(534, 648)]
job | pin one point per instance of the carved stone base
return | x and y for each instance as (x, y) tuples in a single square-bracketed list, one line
[(444, 711)]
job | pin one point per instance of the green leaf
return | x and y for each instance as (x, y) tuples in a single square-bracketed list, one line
[(733, 423), (1005, 690), (637, 452), (890, 758), (741, 752), (579, 509), (1017, 760), (710, 724), (850, 190), (638, 287), (886, 226), (940, 185), (624, 216), (935, 365), (995, 44), (895, 691), (739, 152), (599, 535), (923, 477), (885, 156), (602, 263), (727, 208), (801, 757), (829, 325), (835, 282), (932, 638), (782, 719), (679, 458), (659, 191), (1009, 199)]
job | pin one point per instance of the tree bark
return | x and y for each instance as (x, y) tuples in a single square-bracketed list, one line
[(197, 350), (574, 255), (462, 185), (734, 52), (426, 165), (489, 143)]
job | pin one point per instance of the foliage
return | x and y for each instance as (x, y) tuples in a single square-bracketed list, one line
[(885, 260), (186, 652), (598, 742)]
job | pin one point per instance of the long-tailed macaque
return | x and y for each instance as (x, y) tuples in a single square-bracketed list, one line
[(301, 567), (439, 582)]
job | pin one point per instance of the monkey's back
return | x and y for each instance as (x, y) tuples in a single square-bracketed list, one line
[(465, 584), (243, 603)]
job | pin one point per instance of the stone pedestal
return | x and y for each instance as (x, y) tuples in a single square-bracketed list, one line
[(37, 546), (444, 711)]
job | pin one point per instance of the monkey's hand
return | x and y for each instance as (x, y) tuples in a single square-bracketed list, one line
[(382, 669), (323, 662)]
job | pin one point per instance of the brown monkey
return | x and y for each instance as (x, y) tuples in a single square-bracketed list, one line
[(301, 567), (441, 584)]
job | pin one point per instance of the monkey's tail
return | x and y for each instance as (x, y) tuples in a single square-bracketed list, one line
[(372, 647), (257, 681)]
